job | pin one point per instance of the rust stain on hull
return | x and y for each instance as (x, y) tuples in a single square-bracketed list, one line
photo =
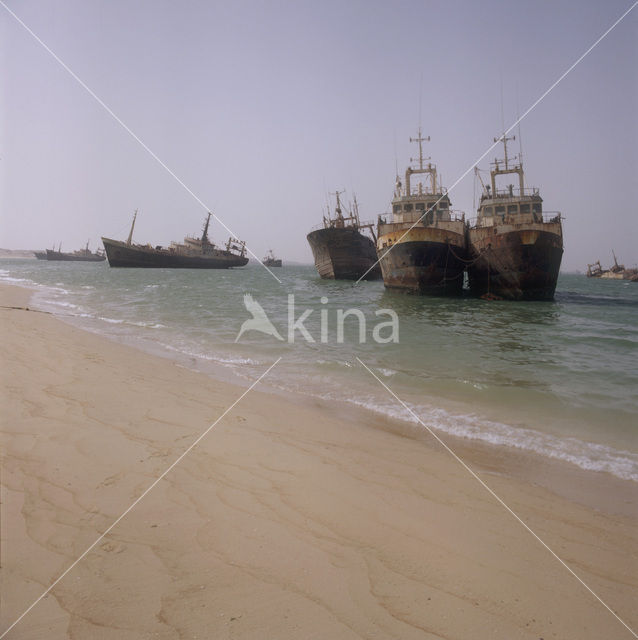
[(515, 265)]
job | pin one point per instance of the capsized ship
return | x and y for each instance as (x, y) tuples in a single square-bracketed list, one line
[(340, 249), (193, 253), (617, 272), (269, 260), (81, 255), (423, 248), (516, 248)]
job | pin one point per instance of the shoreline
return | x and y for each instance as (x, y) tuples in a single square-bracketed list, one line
[(590, 487), (292, 516)]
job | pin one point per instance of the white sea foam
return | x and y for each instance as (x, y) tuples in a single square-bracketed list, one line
[(586, 455)]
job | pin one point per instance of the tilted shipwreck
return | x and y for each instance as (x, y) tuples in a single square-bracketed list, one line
[(193, 253)]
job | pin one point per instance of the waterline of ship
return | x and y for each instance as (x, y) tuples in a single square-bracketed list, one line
[(558, 379)]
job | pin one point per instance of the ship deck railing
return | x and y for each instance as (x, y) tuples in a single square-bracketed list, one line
[(455, 216), (362, 223), (515, 192), (514, 218)]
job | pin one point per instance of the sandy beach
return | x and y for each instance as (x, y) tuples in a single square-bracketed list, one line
[(290, 519)]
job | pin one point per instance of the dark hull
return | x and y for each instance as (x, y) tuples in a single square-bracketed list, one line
[(122, 255), (40, 255), (424, 267), (517, 265), (344, 254), (272, 263), (70, 257)]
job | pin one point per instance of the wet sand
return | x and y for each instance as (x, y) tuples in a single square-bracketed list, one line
[(290, 519)]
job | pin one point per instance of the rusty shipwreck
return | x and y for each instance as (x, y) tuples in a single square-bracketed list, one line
[(515, 247), (341, 249), (193, 253), (423, 247)]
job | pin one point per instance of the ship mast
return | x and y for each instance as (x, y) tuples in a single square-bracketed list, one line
[(517, 168), (430, 168), (130, 235), (339, 219), (205, 239)]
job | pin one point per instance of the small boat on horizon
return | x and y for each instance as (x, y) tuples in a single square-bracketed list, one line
[(269, 260), (193, 253), (340, 250)]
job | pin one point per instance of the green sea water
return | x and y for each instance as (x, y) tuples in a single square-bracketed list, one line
[(557, 378)]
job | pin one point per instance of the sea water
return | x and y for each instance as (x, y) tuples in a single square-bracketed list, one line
[(557, 378)]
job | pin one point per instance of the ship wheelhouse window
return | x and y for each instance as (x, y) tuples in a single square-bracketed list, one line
[(537, 207), (407, 207), (443, 204), (431, 205), (488, 211), (396, 208), (500, 210), (419, 206), (524, 208), (512, 209)]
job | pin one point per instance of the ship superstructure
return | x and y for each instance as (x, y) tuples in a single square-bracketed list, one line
[(515, 247), (423, 247)]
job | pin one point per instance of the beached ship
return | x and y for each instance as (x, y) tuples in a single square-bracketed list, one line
[(81, 255), (340, 248), (423, 247), (617, 272), (270, 260), (516, 248), (193, 253)]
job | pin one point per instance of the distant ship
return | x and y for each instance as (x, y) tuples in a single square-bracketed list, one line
[(193, 253), (617, 272), (270, 260), (515, 249), (423, 248), (40, 255), (81, 255), (341, 251)]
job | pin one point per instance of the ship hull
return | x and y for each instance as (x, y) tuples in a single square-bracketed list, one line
[(515, 265), (344, 254), (272, 263), (120, 254), (423, 260), (69, 257), (40, 255)]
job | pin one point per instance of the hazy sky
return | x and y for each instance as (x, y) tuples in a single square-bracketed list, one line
[(261, 108)]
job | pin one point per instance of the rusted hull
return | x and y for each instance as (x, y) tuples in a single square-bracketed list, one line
[(344, 254), (122, 255), (425, 260), (517, 265), (430, 268)]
